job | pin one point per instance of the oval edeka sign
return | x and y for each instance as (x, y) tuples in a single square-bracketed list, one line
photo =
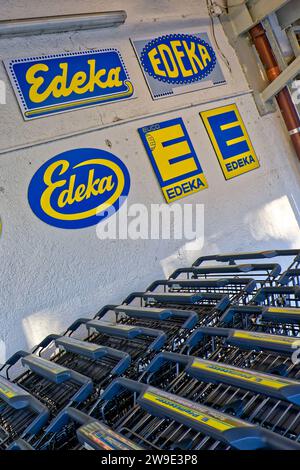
[(79, 188), (178, 58), (178, 63)]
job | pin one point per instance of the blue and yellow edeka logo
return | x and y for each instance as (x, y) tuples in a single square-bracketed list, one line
[(79, 188), (58, 83), (230, 140), (173, 158)]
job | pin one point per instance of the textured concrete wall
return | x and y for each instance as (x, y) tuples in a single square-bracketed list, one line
[(51, 276)]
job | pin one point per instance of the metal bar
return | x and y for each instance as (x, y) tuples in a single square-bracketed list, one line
[(282, 80), (63, 23)]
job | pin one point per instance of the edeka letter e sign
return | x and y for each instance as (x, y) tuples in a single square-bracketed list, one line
[(230, 140), (64, 82), (173, 158), (178, 63), (79, 188)]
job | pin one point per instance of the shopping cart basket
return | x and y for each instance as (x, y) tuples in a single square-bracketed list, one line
[(21, 414), (257, 397), (156, 419)]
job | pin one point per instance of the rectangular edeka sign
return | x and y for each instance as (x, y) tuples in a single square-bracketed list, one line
[(178, 63), (57, 83), (173, 158), (230, 140)]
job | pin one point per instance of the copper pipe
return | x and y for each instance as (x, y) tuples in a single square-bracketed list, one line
[(284, 100)]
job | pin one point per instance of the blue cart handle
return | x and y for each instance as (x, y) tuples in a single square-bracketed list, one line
[(94, 351), (129, 332), (159, 314), (265, 292), (230, 257), (288, 275)]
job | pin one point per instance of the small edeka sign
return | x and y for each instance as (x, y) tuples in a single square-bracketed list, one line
[(178, 63), (230, 140), (173, 158), (63, 82)]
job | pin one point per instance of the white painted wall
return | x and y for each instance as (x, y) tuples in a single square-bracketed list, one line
[(52, 276)]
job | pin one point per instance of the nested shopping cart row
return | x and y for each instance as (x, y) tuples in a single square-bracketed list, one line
[(231, 317)]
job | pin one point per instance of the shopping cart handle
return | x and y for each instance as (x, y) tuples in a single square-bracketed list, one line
[(159, 314), (248, 283), (288, 275), (18, 399), (12, 360), (94, 351), (120, 384), (76, 324), (163, 357), (67, 415), (101, 437), (59, 374), (258, 382), (265, 292), (20, 444), (230, 257), (198, 335), (228, 316), (202, 259), (183, 298), (253, 340), (281, 315), (103, 311), (45, 342), (12, 394), (130, 332)]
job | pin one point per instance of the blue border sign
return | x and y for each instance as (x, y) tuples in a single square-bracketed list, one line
[(63, 82), (178, 63), (79, 188), (173, 158)]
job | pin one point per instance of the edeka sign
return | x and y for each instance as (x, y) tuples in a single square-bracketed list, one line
[(78, 188), (173, 158), (230, 140), (178, 63), (63, 82)]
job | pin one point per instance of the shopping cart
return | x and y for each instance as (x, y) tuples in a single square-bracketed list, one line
[(275, 320), (132, 346), (270, 401), (237, 289), (156, 419), (288, 296), (263, 274), (263, 352), (99, 363), (186, 309), (21, 414), (74, 430), (52, 384)]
